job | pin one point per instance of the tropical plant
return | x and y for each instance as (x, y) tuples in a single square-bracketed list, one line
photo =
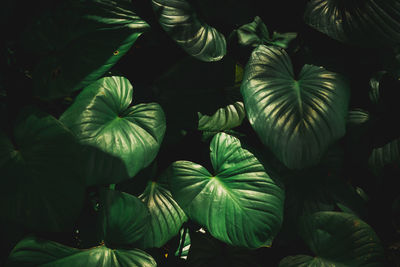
[(200, 133)]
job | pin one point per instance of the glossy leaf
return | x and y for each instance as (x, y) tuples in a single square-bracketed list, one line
[(40, 187), (337, 239), (256, 33), (125, 219), (198, 39), (296, 117), (185, 246), (166, 215), (32, 251), (239, 203), (386, 154), (366, 23), (224, 118), (102, 117), (97, 35)]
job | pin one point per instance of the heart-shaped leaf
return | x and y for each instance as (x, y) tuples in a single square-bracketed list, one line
[(166, 215), (366, 23), (337, 239), (198, 39), (125, 219), (239, 204), (102, 117), (95, 35), (41, 188), (33, 251), (296, 117)]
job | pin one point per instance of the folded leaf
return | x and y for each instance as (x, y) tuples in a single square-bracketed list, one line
[(198, 39)]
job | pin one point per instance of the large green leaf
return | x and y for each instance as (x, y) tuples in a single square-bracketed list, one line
[(40, 186), (166, 215), (239, 203), (95, 35), (125, 219), (296, 117), (32, 251), (337, 239), (102, 117), (198, 39), (366, 23)]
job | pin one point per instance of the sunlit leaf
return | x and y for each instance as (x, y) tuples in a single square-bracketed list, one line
[(223, 119), (296, 116), (102, 117), (239, 203)]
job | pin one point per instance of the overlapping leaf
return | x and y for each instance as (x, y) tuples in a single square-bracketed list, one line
[(32, 252), (125, 219), (239, 203), (95, 35), (121, 139), (166, 215), (224, 118), (181, 23), (41, 188), (337, 239), (296, 117), (366, 23)]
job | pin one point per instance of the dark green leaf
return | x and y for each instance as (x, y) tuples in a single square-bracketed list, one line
[(101, 117), (32, 252), (239, 204), (40, 188), (256, 33), (198, 39), (166, 215), (337, 239), (366, 23), (296, 117), (95, 35), (125, 219), (184, 244)]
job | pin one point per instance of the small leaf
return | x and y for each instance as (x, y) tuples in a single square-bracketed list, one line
[(297, 118), (103, 119), (198, 39), (224, 118), (240, 204)]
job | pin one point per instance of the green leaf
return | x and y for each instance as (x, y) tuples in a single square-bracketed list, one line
[(102, 117), (166, 215), (296, 117), (256, 33), (125, 219), (184, 244), (198, 39), (40, 186), (33, 251), (365, 23), (224, 118), (97, 35), (337, 239), (239, 204), (384, 155)]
